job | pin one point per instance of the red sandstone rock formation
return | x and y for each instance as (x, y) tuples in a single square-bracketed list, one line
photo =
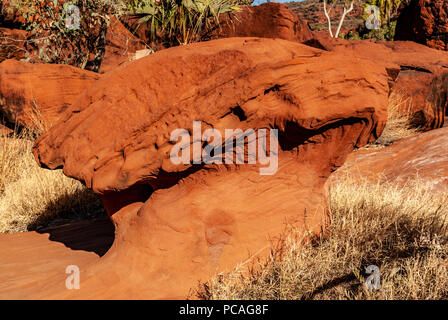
[(32, 95), (405, 54), (420, 91), (267, 20), (178, 224), (121, 44), (420, 156), (425, 22), (421, 71), (417, 69)]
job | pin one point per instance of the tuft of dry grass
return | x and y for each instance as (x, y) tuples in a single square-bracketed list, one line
[(399, 123), (31, 197), (402, 230)]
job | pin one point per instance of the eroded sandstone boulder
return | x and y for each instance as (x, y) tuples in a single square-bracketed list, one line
[(425, 22), (177, 224), (420, 157), (120, 47), (35, 95), (405, 54), (416, 69), (267, 20), (419, 94)]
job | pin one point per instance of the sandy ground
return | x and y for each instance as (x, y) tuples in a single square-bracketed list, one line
[(33, 264)]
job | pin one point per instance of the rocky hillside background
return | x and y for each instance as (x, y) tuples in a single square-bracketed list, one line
[(312, 11)]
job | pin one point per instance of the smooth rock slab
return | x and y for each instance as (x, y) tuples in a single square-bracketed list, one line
[(35, 94), (180, 224), (421, 157)]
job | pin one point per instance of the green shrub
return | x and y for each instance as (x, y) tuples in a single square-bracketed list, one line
[(178, 22), (352, 35), (171, 22), (385, 33), (53, 42)]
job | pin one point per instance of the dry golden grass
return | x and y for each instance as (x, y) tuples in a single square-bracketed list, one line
[(403, 231), (31, 196), (399, 121)]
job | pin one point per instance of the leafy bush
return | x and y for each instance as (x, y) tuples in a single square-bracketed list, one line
[(388, 11), (53, 41), (385, 33), (178, 22), (171, 22)]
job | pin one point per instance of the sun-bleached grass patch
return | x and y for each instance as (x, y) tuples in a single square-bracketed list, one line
[(402, 230), (399, 123), (31, 196)]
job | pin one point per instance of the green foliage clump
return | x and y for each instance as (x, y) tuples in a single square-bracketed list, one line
[(385, 33), (387, 8), (352, 35), (52, 41), (182, 21), (387, 11), (171, 22), (382, 34)]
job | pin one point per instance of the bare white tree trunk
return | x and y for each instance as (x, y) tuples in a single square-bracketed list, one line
[(328, 18), (343, 17), (327, 14)]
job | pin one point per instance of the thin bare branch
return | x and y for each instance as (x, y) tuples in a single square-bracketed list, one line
[(343, 18), (328, 18)]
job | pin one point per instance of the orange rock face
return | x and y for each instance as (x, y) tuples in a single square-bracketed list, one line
[(267, 20), (420, 81), (425, 22), (404, 54), (418, 73), (420, 92), (120, 46), (140, 30), (33, 93), (418, 156), (193, 76), (177, 224)]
